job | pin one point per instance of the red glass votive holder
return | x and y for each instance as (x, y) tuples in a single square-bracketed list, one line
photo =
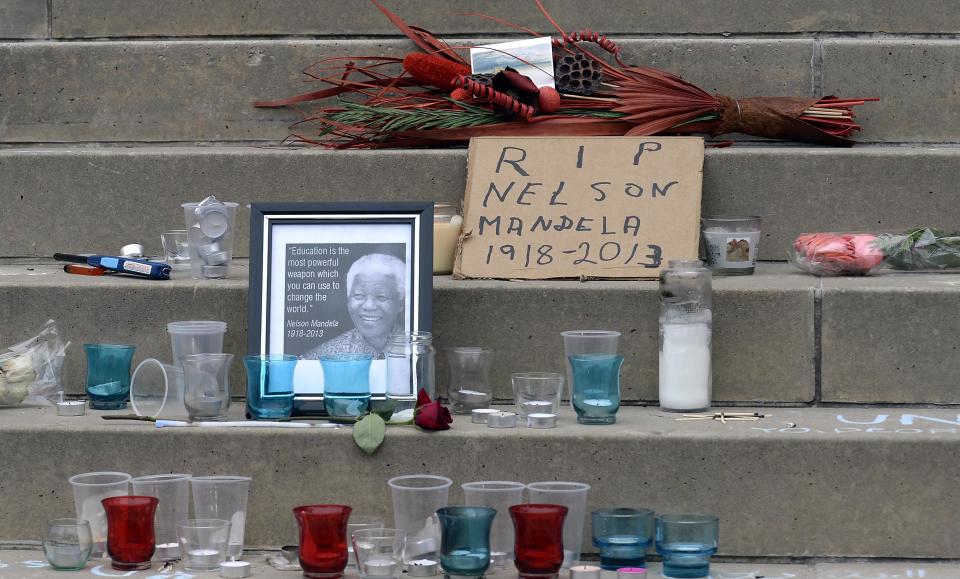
[(538, 542), (323, 540), (130, 537)]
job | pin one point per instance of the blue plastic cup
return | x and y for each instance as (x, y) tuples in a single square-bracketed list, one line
[(270, 385), (686, 542), (465, 540), (622, 535), (108, 375), (596, 387), (346, 384)]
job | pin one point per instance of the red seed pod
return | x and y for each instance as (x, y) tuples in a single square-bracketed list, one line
[(431, 70), (548, 100)]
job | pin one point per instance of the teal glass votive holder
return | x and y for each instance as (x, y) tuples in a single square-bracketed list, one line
[(270, 385), (346, 384), (686, 542), (596, 387), (108, 375), (622, 536), (465, 540)]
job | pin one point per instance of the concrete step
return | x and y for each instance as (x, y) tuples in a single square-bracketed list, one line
[(103, 18), (140, 189), (799, 483)]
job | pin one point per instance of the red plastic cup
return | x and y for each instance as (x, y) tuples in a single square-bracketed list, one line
[(538, 539), (323, 540), (130, 537)]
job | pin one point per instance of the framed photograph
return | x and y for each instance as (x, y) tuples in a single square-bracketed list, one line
[(336, 278), (531, 57)]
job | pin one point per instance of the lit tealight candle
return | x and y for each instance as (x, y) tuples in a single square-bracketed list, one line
[(585, 572)]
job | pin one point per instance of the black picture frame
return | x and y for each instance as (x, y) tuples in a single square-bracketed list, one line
[(312, 227)]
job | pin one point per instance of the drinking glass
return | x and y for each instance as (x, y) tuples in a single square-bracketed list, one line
[(731, 244), (270, 385), (469, 387), (686, 542), (67, 543), (360, 523), (203, 543), (88, 490), (596, 387), (346, 384), (537, 392), (108, 375), (176, 248), (622, 535), (538, 549), (416, 499), (411, 367), (223, 497), (379, 552), (207, 385), (587, 342), (130, 537), (173, 492), (572, 495), (323, 540), (465, 540), (499, 495)]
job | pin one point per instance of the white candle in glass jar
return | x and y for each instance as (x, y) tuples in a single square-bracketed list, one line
[(685, 367), (446, 233)]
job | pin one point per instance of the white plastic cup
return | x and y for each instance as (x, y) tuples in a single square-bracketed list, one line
[(156, 390), (223, 497), (572, 495), (499, 495), (173, 492), (586, 342), (88, 490), (416, 499), (195, 337)]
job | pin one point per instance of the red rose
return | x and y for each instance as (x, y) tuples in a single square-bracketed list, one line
[(431, 415)]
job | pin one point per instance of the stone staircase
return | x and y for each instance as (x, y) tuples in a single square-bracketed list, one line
[(113, 112)]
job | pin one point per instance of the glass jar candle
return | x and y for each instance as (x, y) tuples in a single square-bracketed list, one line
[(731, 244), (685, 335), (447, 224), (411, 367)]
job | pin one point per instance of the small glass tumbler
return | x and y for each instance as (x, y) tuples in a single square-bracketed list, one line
[(108, 375), (379, 552), (223, 497), (173, 492), (89, 489), (731, 244), (270, 385), (499, 495), (67, 544), (572, 495), (622, 535), (416, 499), (361, 523), (346, 384), (587, 342), (130, 537), (447, 224), (411, 367), (538, 549), (465, 540), (203, 543), (176, 248), (537, 392), (469, 387), (686, 542), (323, 539), (207, 385), (596, 387)]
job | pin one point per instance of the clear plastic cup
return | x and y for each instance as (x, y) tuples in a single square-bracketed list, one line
[(195, 337), (88, 490), (210, 227), (173, 492), (572, 495), (416, 499), (223, 497), (156, 390), (499, 495), (587, 342), (203, 543)]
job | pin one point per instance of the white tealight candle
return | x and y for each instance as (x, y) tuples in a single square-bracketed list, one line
[(234, 569), (168, 551), (208, 558), (380, 568), (422, 568), (585, 572)]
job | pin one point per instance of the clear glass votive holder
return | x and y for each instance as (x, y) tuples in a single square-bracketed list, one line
[(361, 523), (223, 497), (537, 392), (596, 387), (686, 542), (89, 489), (572, 495), (108, 375), (465, 540), (176, 248), (203, 543), (346, 384), (622, 535), (731, 244), (587, 342), (469, 387), (498, 495), (173, 492), (270, 385), (207, 385), (416, 499), (67, 543), (379, 552)]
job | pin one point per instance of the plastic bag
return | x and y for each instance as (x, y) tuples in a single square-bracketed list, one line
[(30, 371), (921, 249)]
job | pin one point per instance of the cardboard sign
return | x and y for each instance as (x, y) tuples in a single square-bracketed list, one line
[(555, 207)]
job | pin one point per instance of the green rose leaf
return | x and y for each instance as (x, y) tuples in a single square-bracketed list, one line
[(369, 432)]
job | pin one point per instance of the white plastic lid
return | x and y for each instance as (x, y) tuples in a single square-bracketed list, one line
[(196, 327)]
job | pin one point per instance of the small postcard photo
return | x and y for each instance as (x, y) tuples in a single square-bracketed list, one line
[(532, 57)]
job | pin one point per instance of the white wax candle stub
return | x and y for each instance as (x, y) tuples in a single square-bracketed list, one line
[(480, 415), (380, 568), (585, 572), (445, 237), (502, 420), (234, 569), (422, 568), (685, 367)]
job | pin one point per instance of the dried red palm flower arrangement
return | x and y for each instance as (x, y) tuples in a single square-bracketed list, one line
[(435, 100)]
